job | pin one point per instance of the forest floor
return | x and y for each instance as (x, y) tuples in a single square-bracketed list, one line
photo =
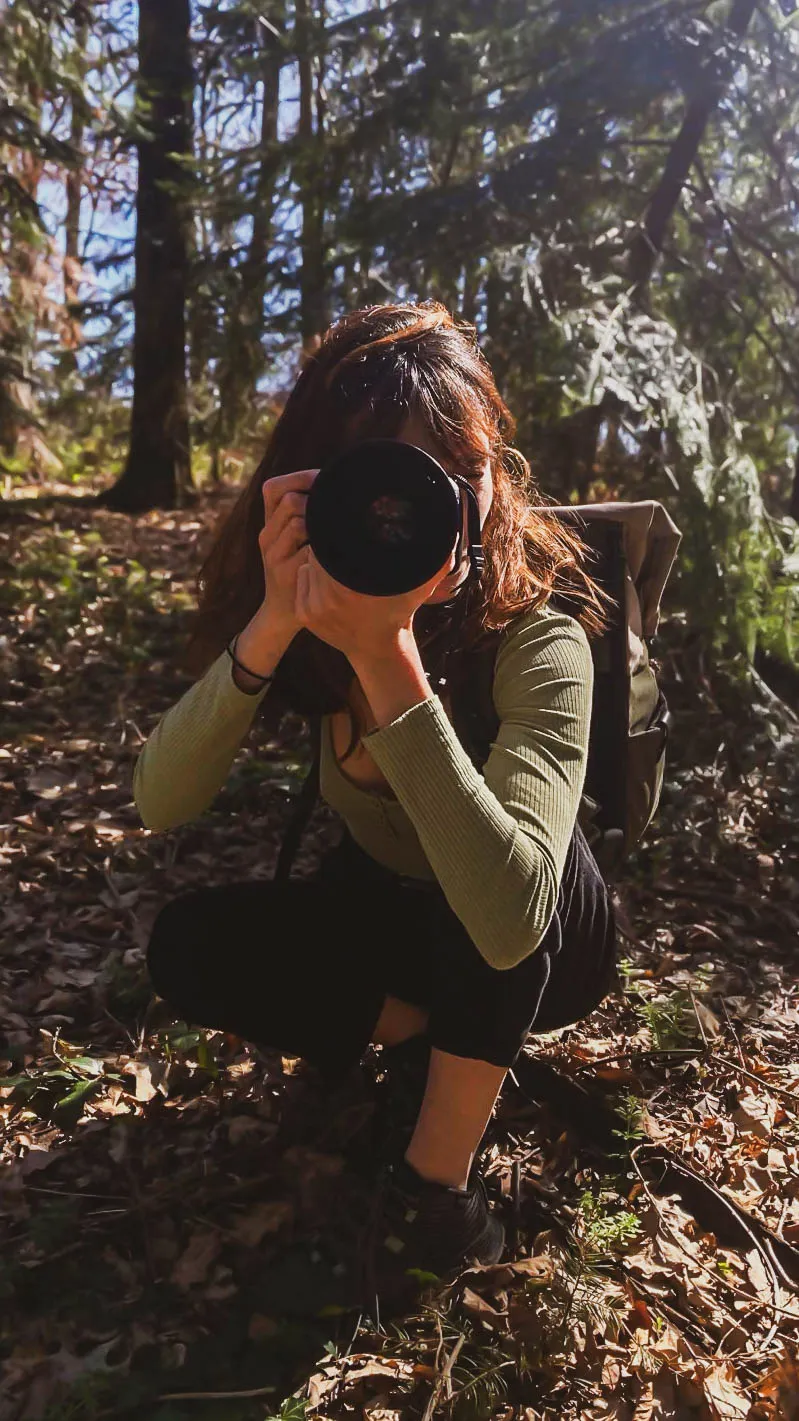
[(166, 1193)]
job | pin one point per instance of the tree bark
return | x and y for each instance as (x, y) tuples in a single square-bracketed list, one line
[(158, 469), (74, 194), (310, 173), (25, 307), (243, 361), (648, 245), (471, 291)]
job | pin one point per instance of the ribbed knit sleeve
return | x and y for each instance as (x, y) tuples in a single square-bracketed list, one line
[(497, 842), (188, 756)]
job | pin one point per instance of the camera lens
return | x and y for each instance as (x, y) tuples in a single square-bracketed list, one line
[(383, 517), (391, 519)]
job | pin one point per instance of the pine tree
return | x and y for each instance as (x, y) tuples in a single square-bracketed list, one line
[(158, 468)]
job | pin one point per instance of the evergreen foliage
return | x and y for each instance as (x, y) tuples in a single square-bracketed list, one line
[(609, 191)]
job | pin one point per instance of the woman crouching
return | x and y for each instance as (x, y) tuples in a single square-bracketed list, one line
[(462, 908)]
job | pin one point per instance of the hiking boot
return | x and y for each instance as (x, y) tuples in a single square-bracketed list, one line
[(420, 1227)]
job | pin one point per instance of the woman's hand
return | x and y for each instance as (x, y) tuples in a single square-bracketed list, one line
[(284, 549), (284, 544), (364, 628), (374, 633)]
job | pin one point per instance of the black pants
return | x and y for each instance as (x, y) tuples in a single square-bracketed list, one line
[(305, 966)]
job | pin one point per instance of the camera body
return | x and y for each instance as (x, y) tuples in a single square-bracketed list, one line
[(383, 517)]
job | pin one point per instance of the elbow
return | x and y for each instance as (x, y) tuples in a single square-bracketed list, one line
[(150, 817), (156, 823), (511, 950), (534, 919), (152, 814)]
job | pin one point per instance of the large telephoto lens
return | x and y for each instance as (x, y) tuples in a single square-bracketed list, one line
[(383, 517)]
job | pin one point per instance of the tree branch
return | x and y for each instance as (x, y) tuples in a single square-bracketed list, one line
[(648, 245)]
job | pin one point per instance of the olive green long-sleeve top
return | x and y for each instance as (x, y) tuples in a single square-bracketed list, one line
[(496, 841)]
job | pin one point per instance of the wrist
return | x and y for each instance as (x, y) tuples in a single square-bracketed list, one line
[(393, 678), (260, 647), (396, 648)]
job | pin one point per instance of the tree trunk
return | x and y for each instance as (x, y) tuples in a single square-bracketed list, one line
[(243, 362), (313, 302), (648, 245), (158, 469), (25, 309), (255, 278), (200, 306), (74, 194), (471, 291)]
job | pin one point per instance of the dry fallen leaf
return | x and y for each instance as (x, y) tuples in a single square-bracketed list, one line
[(755, 1113), (261, 1328), (475, 1306), (495, 1277), (645, 1405), (193, 1264), (268, 1217), (781, 1387), (723, 1394), (47, 782), (707, 1019)]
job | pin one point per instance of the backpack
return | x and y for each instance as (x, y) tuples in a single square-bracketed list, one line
[(636, 545), (633, 547)]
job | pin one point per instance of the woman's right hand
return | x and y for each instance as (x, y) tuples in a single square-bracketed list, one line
[(284, 549), (284, 544)]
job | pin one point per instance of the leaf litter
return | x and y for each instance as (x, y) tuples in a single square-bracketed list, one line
[(167, 1193)]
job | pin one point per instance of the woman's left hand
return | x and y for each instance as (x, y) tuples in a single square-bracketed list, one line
[(365, 629)]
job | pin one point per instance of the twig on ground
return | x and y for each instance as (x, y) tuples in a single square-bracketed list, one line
[(699, 1020), (734, 1033), (443, 1378), (710, 1054), (675, 1238), (216, 1395), (640, 1057), (780, 1090)]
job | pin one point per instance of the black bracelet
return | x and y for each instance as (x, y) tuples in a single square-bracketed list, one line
[(245, 670)]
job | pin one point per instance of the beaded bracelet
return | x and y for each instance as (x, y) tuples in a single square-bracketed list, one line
[(245, 670)]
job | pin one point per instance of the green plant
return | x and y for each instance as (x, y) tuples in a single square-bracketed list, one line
[(85, 1400), (671, 1021), (60, 1093), (180, 1040), (292, 1409), (603, 1228), (630, 1130)]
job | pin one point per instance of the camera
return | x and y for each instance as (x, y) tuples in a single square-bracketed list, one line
[(383, 517)]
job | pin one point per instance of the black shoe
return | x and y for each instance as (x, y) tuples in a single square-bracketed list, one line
[(421, 1229)]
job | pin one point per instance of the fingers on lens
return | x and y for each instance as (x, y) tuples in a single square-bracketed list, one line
[(276, 489), (291, 505), (292, 536)]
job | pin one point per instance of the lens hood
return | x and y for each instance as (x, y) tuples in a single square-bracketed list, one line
[(383, 517)]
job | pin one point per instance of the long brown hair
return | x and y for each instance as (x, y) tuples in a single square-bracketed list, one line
[(373, 370)]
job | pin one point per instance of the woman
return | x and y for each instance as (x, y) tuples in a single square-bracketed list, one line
[(462, 908)]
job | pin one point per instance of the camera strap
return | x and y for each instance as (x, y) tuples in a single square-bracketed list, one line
[(474, 532), (303, 807)]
